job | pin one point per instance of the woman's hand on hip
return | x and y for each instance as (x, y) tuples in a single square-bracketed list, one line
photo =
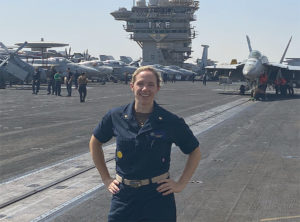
[(112, 185), (168, 186)]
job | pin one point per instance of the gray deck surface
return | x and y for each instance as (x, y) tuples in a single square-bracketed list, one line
[(250, 165)]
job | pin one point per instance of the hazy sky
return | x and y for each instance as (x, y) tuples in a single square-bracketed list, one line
[(222, 24)]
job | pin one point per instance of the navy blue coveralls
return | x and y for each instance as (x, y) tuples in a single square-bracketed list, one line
[(143, 153)]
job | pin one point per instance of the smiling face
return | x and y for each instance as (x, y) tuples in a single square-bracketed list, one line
[(145, 86)]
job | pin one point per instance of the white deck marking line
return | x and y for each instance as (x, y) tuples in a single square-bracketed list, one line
[(42, 127), (280, 218), (56, 209)]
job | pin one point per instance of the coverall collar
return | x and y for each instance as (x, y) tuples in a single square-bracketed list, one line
[(150, 124)]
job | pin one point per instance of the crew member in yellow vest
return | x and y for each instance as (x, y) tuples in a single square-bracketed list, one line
[(82, 82)]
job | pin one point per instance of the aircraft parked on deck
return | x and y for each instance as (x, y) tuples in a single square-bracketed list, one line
[(165, 71), (103, 69), (257, 65), (12, 68), (185, 74), (62, 64)]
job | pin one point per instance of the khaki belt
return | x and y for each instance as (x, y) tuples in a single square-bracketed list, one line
[(139, 183)]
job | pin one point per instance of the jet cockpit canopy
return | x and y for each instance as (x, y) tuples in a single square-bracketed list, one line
[(255, 54)]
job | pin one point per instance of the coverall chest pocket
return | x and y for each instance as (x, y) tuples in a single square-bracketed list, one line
[(160, 145), (125, 151)]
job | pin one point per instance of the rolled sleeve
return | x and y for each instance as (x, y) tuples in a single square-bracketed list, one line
[(184, 137), (104, 130)]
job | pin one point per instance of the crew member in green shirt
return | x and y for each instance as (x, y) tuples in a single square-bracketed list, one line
[(57, 79)]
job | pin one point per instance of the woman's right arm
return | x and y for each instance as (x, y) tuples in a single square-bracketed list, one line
[(98, 158)]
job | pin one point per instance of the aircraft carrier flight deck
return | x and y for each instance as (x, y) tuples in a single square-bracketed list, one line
[(249, 169)]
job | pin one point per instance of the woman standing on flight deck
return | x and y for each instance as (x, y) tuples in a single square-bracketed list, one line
[(144, 131)]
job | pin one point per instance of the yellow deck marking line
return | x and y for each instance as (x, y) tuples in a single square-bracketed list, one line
[(280, 218)]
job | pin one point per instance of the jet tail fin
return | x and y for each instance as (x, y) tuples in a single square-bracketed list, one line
[(249, 44), (282, 58), (204, 56)]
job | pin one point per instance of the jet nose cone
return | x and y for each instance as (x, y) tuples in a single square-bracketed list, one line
[(249, 70), (246, 71)]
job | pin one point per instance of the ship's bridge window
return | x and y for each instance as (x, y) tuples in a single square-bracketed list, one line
[(255, 54)]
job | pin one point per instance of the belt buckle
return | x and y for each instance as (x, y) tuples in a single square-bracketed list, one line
[(135, 183)]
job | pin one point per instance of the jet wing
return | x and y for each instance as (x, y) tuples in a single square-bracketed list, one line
[(293, 68), (283, 66), (290, 72), (278, 65), (232, 71)]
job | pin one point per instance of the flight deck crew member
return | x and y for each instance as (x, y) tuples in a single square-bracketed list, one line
[(277, 85), (57, 79), (263, 81), (283, 86), (50, 80), (290, 87), (36, 81), (126, 77), (76, 76), (142, 189), (204, 79), (69, 79), (82, 81)]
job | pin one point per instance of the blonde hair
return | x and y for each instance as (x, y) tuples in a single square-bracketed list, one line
[(147, 68)]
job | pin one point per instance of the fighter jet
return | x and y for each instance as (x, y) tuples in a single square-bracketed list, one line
[(12, 68), (257, 65), (62, 64), (163, 73), (119, 69), (185, 74), (171, 73), (106, 71)]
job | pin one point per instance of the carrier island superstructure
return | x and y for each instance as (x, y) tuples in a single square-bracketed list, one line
[(162, 28)]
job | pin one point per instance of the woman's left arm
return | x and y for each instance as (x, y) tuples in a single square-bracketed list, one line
[(169, 186)]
